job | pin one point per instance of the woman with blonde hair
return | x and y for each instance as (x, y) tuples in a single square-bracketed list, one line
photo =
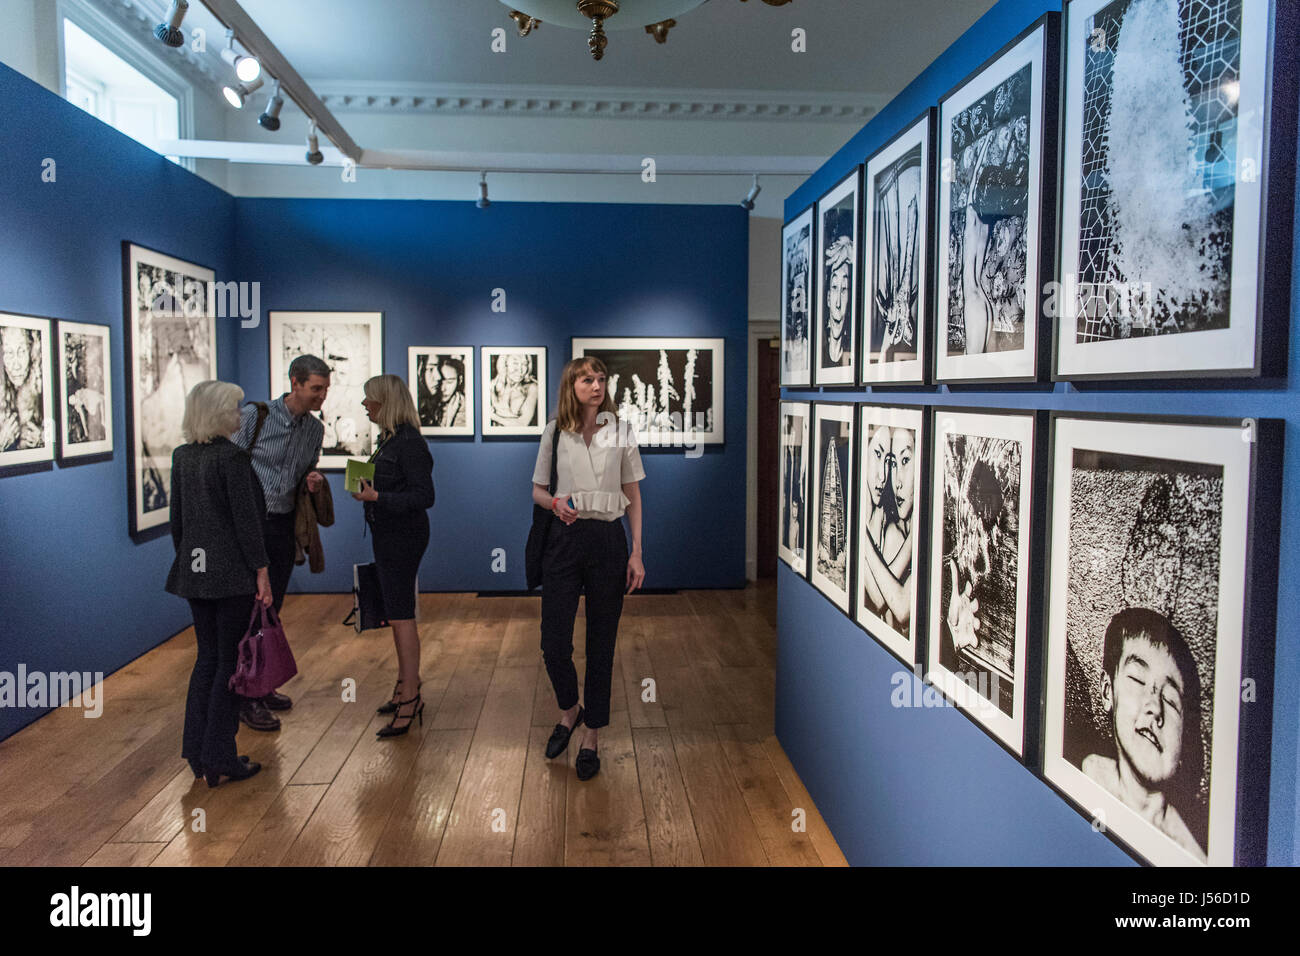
[(598, 467), (395, 506), (220, 568)]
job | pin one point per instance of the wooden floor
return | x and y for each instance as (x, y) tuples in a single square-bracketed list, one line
[(690, 770)]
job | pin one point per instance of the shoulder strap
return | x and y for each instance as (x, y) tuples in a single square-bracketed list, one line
[(262, 411), (555, 446)]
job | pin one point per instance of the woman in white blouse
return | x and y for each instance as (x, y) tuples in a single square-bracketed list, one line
[(598, 467)]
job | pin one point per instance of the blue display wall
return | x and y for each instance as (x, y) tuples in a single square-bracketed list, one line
[(81, 594), (925, 785), (567, 270)]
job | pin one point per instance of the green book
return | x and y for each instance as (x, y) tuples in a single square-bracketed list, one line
[(357, 470)]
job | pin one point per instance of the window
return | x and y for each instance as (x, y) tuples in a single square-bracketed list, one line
[(107, 86)]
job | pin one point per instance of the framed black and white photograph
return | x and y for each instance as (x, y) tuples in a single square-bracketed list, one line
[(442, 383), (171, 346), (514, 390), (982, 492), (890, 484), (86, 390), (351, 344), (835, 341), (797, 291), (792, 517), (1164, 175), (896, 269), (26, 400), (671, 388), (997, 137), (1146, 619), (830, 556)]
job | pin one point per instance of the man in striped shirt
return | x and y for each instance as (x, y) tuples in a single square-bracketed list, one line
[(286, 450)]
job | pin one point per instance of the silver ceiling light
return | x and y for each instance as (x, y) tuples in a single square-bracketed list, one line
[(270, 120), (170, 31), (314, 155), (247, 68), (748, 201), (237, 94), (483, 201)]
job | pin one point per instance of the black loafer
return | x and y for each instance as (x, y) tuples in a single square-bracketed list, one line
[(275, 701), (255, 715), (587, 764), (559, 741)]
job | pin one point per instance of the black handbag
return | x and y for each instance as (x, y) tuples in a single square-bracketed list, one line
[(367, 599), (535, 550)]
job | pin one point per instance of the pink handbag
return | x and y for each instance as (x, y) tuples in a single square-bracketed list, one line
[(265, 661)]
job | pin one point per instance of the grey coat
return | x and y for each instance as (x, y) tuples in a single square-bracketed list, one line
[(216, 521)]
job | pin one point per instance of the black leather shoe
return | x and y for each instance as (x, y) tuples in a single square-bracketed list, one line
[(275, 701), (255, 715), (587, 764), (244, 771), (198, 768), (559, 741)]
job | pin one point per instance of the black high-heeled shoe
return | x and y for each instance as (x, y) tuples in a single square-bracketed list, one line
[(391, 705), (244, 771), (392, 730), (559, 741), (198, 768)]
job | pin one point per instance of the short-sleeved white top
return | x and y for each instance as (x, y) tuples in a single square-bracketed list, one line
[(593, 476)]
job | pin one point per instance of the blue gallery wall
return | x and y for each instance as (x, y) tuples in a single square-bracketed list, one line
[(567, 269), (926, 785), (78, 592)]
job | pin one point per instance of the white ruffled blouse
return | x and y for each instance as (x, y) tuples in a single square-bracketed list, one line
[(592, 476)]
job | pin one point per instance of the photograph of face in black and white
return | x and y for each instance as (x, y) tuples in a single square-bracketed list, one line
[(796, 299), (897, 237), (87, 420), (25, 398), (889, 477), (349, 343), (173, 347), (442, 384), (1153, 161), (793, 513), (514, 391), (837, 301), (669, 389), (832, 526)]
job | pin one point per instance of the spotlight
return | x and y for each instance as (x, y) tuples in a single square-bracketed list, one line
[(748, 201), (246, 67), (235, 95), (170, 32), (270, 120), (483, 201), (314, 155)]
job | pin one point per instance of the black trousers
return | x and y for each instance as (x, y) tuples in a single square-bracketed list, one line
[(211, 708), (277, 530), (587, 557)]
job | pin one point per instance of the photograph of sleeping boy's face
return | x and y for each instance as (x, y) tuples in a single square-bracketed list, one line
[(1145, 698)]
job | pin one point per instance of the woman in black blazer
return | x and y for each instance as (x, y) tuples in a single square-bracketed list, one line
[(395, 511), (220, 568)]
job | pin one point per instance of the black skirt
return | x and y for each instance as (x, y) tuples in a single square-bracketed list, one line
[(397, 561)]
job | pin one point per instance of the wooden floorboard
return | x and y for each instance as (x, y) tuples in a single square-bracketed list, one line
[(691, 773)]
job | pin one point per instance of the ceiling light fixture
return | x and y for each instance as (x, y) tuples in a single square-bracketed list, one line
[(170, 30), (483, 201), (270, 120), (748, 201), (314, 155), (246, 67), (237, 94)]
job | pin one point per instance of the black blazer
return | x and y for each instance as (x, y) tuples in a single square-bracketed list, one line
[(404, 480), (216, 505)]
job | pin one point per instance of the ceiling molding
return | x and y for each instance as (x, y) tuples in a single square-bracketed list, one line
[(140, 16), (626, 103)]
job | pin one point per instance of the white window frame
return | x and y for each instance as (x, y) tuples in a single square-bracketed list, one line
[(132, 50)]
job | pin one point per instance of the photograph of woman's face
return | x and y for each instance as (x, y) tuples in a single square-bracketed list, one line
[(17, 354), (877, 463), (904, 468)]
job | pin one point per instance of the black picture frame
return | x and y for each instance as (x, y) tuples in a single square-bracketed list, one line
[(787, 407), (787, 379), (20, 462), (67, 457), (853, 321), (849, 484)]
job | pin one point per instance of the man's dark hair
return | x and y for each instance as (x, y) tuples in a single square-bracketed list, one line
[(1154, 627), (305, 366)]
